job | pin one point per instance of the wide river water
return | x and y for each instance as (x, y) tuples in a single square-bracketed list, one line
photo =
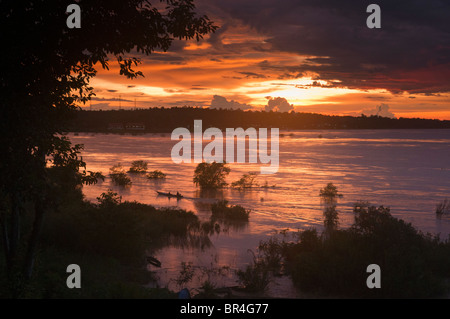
[(406, 170)]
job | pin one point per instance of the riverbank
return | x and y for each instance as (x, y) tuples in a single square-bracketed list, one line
[(165, 120)]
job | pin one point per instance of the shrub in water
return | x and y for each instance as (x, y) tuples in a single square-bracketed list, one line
[(329, 191), (221, 211), (156, 175), (443, 208), (255, 277), (118, 176), (211, 175), (138, 167), (246, 181)]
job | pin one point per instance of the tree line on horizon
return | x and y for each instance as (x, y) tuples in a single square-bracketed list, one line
[(163, 120)]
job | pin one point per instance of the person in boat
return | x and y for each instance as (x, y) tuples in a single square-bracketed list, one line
[(170, 194), (178, 194)]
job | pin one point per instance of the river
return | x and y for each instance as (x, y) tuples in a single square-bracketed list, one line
[(406, 170)]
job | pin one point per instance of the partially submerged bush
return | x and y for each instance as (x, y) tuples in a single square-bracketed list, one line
[(246, 181), (331, 219), (186, 274), (118, 176), (156, 174), (138, 167), (271, 252), (222, 211), (330, 192), (266, 185), (255, 277), (211, 175), (443, 208)]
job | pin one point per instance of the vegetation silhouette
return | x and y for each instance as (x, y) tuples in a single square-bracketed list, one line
[(156, 174), (443, 208), (329, 194), (118, 176), (165, 120), (224, 212), (211, 175), (46, 69), (413, 265), (138, 167), (245, 182)]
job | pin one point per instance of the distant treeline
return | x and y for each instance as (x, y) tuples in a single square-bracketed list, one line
[(164, 120)]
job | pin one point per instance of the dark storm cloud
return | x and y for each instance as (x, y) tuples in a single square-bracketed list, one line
[(253, 75), (411, 51), (164, 57)]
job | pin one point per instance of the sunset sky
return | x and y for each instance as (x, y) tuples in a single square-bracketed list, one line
[(308, 56)]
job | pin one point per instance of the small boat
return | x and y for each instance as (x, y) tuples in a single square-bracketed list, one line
[(153, 261), (170, 195)]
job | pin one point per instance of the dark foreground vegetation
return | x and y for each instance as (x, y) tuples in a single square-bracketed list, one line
[(413, 265), (165, 120), (109, 241), (44, 80), (334, 263)]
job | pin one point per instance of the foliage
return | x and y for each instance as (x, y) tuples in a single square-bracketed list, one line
[(109, 199), (443, 208), (118, 176), (271, 251), (211, 175), (114, 236), (138, 167), (329, 192), (207, 290), (156, 174), (331, 219), (43, 81), (209, 277), (413, 265), (186, 274), (222, 211), (246, 181), (255, 277)]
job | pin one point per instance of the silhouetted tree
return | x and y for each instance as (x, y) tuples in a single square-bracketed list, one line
[(45, 73), (211, 175)]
